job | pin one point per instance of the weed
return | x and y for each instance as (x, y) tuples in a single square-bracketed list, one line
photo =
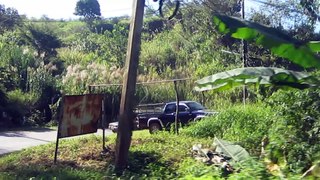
[(245, 125)]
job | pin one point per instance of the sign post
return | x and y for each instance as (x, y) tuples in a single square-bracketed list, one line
[(78, 115), (60, 114)]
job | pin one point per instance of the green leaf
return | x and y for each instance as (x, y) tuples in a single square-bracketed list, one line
[(236, 152), (278, 42), (314, 46), (256, 76)]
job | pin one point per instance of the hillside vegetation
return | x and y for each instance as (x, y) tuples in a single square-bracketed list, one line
[(42, 59)]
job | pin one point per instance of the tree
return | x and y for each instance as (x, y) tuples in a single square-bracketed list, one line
[(311, 9), (14, 59), (289, 14), (9, 18), (281, 44), (291, 18), (43, 40), (89, 9)]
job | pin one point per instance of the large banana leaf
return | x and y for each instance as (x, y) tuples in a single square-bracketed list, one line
[(236, 152), (314, 46), (256, 76), (278, 42)]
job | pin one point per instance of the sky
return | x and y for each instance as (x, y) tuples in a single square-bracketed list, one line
[(64, 9)]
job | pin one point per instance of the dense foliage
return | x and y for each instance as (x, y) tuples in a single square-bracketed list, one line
[(89, 9), (295, 135), (246, 125), (43, 59), (158, 156), (9, 18)]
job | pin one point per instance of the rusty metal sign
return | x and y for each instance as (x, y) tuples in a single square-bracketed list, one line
[(81, 114)]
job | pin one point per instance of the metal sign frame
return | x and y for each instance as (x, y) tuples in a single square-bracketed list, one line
[(60, 117)]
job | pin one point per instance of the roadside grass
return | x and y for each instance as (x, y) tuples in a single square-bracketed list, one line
[(245, 125), (159, 156)]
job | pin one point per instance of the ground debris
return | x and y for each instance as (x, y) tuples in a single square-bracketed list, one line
[(211, 157)]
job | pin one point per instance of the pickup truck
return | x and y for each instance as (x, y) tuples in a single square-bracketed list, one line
[(156, 117)]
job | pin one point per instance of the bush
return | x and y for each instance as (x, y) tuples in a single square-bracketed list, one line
[(44, 85), (294, 137), (78, 77), (246, 125), (3, 98), (20, 105)]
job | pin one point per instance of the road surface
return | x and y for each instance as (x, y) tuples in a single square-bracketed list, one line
[(11, 141)]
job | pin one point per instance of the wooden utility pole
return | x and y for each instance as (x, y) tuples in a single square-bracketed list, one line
[(244, 52), (129, 86)]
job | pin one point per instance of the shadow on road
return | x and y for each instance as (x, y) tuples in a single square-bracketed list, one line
[(26, 133), (33, 129), (23, 136)]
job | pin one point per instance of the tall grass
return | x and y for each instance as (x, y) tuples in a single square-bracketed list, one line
[(245, 125)]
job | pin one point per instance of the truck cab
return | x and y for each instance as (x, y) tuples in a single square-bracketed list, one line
[(160, 116), (188, 111)]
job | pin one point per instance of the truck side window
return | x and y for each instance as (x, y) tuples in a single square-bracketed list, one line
[(183, 108), (171, 108)]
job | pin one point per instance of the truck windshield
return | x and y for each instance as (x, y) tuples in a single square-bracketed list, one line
[(194, 106)]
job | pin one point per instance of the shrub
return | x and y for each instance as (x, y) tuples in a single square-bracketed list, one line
[(20, 105), (251, 169), (294, 137), (44, 85), (3, 98), (246, 125), (190, 169), (78, 77)]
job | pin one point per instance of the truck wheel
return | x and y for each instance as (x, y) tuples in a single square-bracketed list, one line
[(154, 127)]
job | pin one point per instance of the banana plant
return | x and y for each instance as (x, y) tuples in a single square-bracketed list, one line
[(314, 46), (280, 44), (257, 76)]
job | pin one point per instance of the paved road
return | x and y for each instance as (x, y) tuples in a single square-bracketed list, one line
[(11, 141)]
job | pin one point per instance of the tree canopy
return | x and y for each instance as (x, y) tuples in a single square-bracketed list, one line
[(89, 9), (9, 17)]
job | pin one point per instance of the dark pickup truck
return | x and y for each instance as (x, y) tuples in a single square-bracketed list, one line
[(156, 117)]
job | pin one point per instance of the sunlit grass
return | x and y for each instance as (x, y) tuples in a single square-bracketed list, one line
[(158, 155)]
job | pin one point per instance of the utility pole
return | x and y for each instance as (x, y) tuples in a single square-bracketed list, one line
[(129, 86), (244, 51)]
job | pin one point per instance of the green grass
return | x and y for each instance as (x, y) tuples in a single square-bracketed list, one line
[(245, 125), (163, 156), (158, 156)]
